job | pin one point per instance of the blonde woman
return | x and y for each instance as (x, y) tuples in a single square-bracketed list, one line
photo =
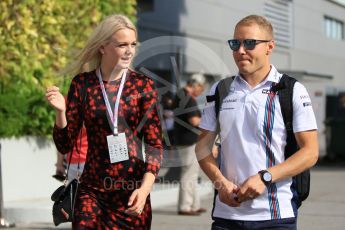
[(119, 112)]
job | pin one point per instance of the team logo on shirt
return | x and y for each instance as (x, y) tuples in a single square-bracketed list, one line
[(305, 104), (226, 108), (228, 104), (230, 100), (304, 96), (268, 91)]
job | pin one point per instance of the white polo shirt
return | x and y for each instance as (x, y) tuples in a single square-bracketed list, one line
[(253, 136)]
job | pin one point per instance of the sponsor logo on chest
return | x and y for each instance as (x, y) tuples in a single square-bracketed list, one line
[(268, 91)]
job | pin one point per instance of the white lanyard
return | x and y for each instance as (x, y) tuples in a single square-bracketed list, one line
[(113, 116)]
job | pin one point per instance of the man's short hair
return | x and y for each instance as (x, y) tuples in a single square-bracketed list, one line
[(197, 78), (261, 21)]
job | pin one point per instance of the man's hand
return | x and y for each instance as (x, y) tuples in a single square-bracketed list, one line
[(251, 188), (227, 192)]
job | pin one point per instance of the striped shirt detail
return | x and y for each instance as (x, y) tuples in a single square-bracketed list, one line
[(270, 159)]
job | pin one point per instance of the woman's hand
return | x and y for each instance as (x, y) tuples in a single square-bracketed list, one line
[(137, 201), (56, 99)]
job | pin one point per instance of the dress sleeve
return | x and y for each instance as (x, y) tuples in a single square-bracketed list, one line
[(152, 131), (64, 138)]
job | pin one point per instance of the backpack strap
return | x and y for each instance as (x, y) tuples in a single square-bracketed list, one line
[(301, 182), (222, 90), (285, 93)]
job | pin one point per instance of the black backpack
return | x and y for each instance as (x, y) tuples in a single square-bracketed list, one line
[(300, 182)]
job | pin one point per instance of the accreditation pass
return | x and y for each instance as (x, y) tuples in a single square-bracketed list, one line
[(117, 146)]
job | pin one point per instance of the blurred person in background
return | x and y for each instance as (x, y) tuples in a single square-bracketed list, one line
[(187, 120)]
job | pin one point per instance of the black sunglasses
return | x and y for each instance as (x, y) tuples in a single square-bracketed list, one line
[(249, 44)]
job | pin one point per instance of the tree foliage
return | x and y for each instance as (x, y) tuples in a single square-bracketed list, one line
[(38, 39)]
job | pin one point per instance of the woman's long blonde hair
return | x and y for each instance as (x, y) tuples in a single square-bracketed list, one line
[(89, 57)]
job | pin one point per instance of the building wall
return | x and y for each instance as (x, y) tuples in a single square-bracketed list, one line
[(27, 166), (312, 50), (211, 23)]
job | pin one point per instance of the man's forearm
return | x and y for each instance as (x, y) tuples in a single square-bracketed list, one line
[(303, 159), (208, 164), (210, 168), (294, 165)]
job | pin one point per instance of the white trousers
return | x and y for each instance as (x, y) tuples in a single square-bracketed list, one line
[(189, 199)]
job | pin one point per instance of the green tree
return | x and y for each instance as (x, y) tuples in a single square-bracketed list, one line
[(38, 39)]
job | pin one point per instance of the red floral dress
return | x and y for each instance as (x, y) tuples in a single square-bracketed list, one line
[(106, 187)]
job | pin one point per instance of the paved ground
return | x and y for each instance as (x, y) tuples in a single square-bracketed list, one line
[(324, 209)]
